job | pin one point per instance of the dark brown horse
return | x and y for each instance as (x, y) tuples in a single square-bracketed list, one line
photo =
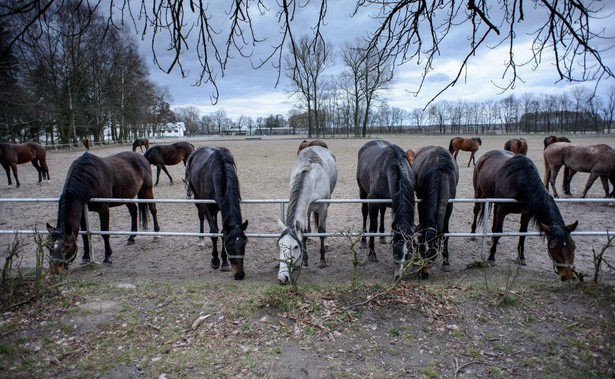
[(552, 139), (598, 160), (465, 144), (86, 143), (211, 174), (502, 174), (161, 155), (516, 145), (316, 142), (140, 143), (121, 176), (13, 154)]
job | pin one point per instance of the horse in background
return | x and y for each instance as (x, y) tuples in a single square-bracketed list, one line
[(566, 182), (211, 173), (140, 143), (552, 139), (410, 154), (436, 175), (13, 154), (313, 177), (516, 145), (316, 142), (598, 160), (502, 174), (161, 155), (465, 144), (86, 143), (121, 176), (383, 172)]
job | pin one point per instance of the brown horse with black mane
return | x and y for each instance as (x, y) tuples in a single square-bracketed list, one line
[(13, 154), (161, 155), (465, 144), (140, 142), (316, 142), (516, 145)]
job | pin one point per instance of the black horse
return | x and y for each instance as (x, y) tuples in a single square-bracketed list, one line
[(121, 176), (437, 175), (211, 174), (502, 174), (161, 155), (383, 172)]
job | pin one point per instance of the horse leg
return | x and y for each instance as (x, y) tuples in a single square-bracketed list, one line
[(7, 169), (568, 174), (322, 228), (525, 220), (373, 226), (554, 172), (86, 239), (164, 168), (158, 175), (590, 181), (132, 208), (103, 215), (455, 155), (605, 185), (364, 213), (38, 169), (382, 239), (14, 168), (498, 223), (445, 263), (215, 260), (471, 158)]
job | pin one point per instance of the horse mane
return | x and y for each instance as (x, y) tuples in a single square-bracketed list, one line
[(229, 207), (429, 187), (77, 184), (532, 192), (309, 157), (403, 195)]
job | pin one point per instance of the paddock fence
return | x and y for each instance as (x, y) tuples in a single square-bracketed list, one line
[(483, 234)]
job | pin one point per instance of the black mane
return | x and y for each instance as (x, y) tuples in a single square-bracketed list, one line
[(231, 198), (402, 196)]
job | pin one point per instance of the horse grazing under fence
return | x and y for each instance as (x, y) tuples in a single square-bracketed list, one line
[(516, 145), (316, 142), (502, 174), (313, 177), (211, 174), (598, 160), (465, 144), (161, 155), (383, 172), (120, 176), (436, 175), (13, 154), (140, 143)]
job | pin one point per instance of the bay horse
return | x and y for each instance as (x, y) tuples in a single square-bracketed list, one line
[(211, 174), (121, 176), (13, 154), (465, 144), (436, 175), (313, 177), (516, 145), (598, 160), (161, 155), (86, 143), (140, 142), (552, 139), (383, 172), (502, 174), (316, 142)]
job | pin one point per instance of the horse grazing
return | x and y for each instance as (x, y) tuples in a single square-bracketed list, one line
[(140, 142), (465, 144), (436, 175), (121, 176), (598, 160), (502, 174), (552, 139), (86, 143), (313, 177), (316, 142), (383, 172), (516, 145), (13, 154), (161, 155), (211, 174)]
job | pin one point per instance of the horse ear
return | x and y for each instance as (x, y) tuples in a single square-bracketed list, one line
[(572, 227), (281, 224), (545, 228), (244, 226)]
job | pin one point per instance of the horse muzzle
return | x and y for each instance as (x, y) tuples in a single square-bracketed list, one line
[(57, 268), (237, 267)]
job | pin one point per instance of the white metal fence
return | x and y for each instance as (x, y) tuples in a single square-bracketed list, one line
[(484, 233)]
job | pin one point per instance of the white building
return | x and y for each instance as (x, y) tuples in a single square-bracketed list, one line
[(174, 129)]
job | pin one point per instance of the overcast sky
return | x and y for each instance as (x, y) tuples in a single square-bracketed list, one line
[(246, 91)]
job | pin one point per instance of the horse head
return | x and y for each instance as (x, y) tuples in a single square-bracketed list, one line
[(235, 242), (62, 248), (561, 246), (291, 251)]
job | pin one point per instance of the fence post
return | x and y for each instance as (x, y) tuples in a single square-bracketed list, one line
[(282, 218), (486, 211), (88, 231)]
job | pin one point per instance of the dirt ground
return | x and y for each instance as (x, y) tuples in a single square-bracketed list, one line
[(447, 326)]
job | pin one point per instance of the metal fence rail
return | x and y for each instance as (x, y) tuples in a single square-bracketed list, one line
[(484, 234)]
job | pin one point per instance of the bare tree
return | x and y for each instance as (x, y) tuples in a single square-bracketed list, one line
[(609, 108), (190, 116)]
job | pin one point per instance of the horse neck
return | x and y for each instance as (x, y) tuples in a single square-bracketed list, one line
[(537, 198), (229, 197), (70, 209), (402, 196), (299, 203)]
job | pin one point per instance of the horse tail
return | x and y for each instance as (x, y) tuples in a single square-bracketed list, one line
[(143, 215), (450, 146)]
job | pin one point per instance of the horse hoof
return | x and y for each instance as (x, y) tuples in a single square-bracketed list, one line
[(322, 264), (85, 261), (107, 262), (130, 242), (382, 240), (372, 257), (225, 268), (215, 266), (522, 262), (156, 239), (239, 276), (491, 262), (446, 267)]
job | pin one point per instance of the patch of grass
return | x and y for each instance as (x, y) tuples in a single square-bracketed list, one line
[(430, 371)]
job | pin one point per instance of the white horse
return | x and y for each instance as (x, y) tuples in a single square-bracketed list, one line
[(313, 177)]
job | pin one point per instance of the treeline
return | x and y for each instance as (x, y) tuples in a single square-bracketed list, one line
[(70, 75)]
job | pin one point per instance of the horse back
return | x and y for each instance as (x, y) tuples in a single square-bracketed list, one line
[(204, 171), (380, 165), (318, 166), (487, 171), (127, 173)]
